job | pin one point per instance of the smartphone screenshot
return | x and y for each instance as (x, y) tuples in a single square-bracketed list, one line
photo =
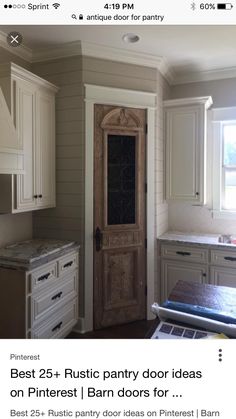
[(117, 209)]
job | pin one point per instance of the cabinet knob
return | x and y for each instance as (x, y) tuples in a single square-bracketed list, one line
[(40, 196), (204, 274), (197, 193), (35, 196)]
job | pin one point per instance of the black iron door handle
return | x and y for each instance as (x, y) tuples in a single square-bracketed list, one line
[(98, 239)]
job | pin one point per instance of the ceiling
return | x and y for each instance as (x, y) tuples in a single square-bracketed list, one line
[(190, 52)]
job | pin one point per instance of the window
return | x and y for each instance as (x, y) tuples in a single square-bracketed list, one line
[(229, 167), (224, 163)]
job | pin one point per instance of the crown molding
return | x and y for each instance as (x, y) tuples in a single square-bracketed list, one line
[(127, 56), (107, 53), (22, 51), (70, 49), (88, 49), (206, 101), (193, 77)]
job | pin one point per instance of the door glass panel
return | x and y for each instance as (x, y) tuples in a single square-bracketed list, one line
[(121, 179)]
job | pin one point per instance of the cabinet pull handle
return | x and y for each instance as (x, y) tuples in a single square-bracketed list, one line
[(68, 264), (183, 253), (57, 296), (58, 326), (231, 258), (46, 276)]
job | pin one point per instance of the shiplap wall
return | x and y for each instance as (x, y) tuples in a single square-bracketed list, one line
[(17, 227), (66, 221)]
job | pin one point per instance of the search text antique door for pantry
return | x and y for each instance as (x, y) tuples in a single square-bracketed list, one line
[(119, 215)]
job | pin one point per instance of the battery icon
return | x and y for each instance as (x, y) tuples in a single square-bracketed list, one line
[(224, 6)]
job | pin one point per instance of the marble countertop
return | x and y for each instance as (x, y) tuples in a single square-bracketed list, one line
[(33, 253), (195, 238)]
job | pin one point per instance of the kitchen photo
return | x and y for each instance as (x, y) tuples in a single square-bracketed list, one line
[(118, 182)]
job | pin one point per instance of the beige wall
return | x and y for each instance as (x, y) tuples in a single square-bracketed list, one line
[(66, 221), (18, 227), (185, 217), (223, 91), (15, 228)]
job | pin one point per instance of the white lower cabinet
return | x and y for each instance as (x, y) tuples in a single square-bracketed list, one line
[(223, 276), (58, 325), (223, 267), (41, 303), (195, 263), (173, 271)]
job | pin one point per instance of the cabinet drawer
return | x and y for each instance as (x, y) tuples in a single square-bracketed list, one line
[(225, 277), (42, 276), (186, 253), (41, 303), (60, 325), (67, 263), (223, 258)]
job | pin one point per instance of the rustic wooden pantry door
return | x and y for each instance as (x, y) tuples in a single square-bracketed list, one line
[(119, 215)]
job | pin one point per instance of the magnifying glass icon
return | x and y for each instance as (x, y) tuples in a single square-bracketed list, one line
[(74, 17)]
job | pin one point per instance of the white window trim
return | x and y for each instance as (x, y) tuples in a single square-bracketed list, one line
[(220, 116)]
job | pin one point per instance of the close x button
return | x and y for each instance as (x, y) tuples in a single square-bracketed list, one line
[(14, 39)]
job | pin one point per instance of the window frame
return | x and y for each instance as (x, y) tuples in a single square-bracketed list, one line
[(220, 118)]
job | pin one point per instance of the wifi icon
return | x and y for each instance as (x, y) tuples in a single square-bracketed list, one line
[(56, 5)]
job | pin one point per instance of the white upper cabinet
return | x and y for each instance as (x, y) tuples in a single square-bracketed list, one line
[(32, 104), (185, 132), (11, 150)]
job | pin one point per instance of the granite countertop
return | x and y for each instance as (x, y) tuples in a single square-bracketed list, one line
[(33, 253), (201, 239)]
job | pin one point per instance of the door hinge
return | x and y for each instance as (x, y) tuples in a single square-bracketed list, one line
[(146, 290), (145, 187), (146, 128), (145, 241)]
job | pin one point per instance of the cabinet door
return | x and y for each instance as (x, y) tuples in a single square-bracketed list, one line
[(185, 154), (172, 271), (24, 99), (223, 276), (45, 140)]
